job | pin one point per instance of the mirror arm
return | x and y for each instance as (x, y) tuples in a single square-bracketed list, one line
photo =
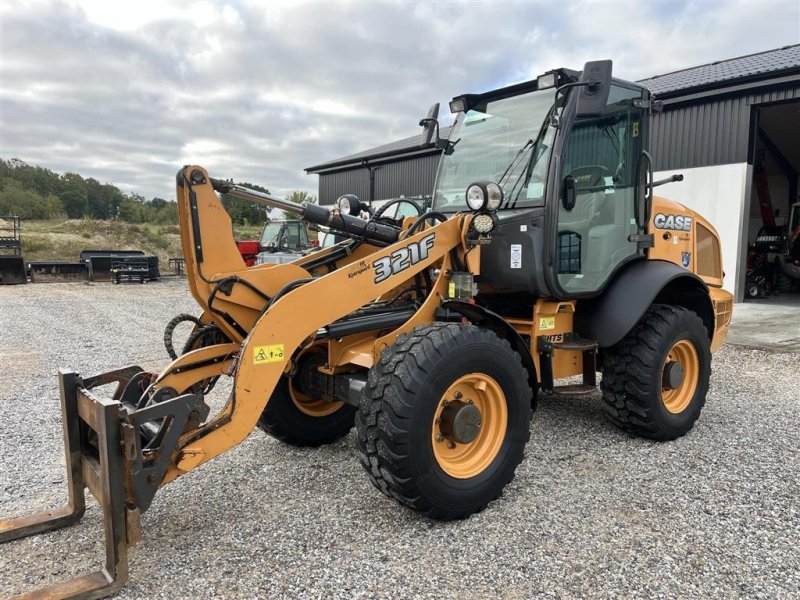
[(429, 120), (671, 179), (567, 86)]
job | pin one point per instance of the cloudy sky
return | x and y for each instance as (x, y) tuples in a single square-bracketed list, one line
[(128, 91)]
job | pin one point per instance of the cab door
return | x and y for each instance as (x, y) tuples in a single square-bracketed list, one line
[(599, 191)]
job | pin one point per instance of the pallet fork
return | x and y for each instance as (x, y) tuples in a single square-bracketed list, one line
[(103, 453), (83, 413)]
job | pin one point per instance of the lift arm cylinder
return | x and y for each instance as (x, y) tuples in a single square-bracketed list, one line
[(375, 233)]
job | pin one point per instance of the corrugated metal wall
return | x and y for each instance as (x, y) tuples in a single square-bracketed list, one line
[(409, 177), (714, 132), (414, 177), (333, 185)]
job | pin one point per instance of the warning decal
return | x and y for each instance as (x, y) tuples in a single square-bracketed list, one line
[(516, 256), (267, 354), (547, 323)]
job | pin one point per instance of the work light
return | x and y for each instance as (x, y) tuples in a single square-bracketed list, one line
[(349, 204), (545, 81), (458, 105), (494, 196), (484, 195), (476, 196), (483, 223)]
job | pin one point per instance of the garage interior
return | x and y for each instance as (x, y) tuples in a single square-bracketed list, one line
[(772, 274)]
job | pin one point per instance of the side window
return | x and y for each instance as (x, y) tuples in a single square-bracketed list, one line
[(601, 157)]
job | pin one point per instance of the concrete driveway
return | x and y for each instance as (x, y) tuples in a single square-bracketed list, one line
[(771, 324)]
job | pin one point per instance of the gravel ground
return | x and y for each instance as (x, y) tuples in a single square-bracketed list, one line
[(592, 511)]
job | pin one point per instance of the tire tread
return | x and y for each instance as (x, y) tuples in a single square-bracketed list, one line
[(383, 420)]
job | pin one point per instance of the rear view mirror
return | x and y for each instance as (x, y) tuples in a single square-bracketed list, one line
[(593, 95), (568, 199), (430, 126)]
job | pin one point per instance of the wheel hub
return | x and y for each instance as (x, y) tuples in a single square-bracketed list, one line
[(461, 422), (469, 425), (679, 376), (673, 375)]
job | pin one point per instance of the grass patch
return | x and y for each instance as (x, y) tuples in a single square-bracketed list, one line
[(58, 239)]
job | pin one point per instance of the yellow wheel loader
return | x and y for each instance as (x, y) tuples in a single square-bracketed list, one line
[(543, 256)]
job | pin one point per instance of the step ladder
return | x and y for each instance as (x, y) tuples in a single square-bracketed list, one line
[(571, 342)]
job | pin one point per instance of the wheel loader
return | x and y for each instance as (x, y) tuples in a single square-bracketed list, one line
[(544, 259)]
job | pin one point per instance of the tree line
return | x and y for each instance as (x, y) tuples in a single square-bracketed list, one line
[(33, 192)]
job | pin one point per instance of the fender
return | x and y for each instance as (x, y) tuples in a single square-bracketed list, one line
[(609, 317), (484, 317)]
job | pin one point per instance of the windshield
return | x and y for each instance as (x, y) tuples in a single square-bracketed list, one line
[(269, 236), (501, 141)]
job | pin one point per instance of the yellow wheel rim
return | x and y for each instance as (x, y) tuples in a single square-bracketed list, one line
[(313, 407), (463, 460), (677, 398)]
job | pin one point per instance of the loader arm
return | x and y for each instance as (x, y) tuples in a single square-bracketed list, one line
[(294, 318), (272, 323), (155, 428), (224, 287)]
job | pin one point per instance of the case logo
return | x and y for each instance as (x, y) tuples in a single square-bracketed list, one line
[(674, 222)]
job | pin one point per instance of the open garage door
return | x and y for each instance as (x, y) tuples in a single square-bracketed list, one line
[(773, 232)]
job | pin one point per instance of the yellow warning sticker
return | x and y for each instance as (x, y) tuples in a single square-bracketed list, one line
[(451, 290), (267, 354), (547, 323)]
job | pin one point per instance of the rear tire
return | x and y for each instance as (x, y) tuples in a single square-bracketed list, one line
[(317, 423), (638, 398), (401, 419)]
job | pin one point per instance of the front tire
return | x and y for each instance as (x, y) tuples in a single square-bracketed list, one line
[(656, 379), (298, 420), (444, 419)]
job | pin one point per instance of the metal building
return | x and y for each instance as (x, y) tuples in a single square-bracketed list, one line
[(732, 128), (400, 168)]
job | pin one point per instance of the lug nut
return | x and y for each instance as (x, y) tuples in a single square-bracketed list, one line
[(458, 395), (451, 445), (469, 401), (446, 403), (438, 420), (440, 438)]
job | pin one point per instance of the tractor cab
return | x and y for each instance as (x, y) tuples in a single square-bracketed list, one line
[(567, 150), (288, 235)]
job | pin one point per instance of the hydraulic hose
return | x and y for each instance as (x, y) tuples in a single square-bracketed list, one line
[(169, 331)]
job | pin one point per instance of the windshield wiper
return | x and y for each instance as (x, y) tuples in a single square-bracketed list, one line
[(535, 155), (519, 153), (514, 193)]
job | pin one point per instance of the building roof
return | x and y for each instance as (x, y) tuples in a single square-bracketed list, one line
[(725, 72), (760, 65), (409, 145)]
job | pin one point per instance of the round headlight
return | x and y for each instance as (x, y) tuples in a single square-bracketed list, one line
[(476, 196), (349, 204), (495, 196), (483, 223)]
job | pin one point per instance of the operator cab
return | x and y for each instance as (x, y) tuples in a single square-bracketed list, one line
[(568, 152)]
